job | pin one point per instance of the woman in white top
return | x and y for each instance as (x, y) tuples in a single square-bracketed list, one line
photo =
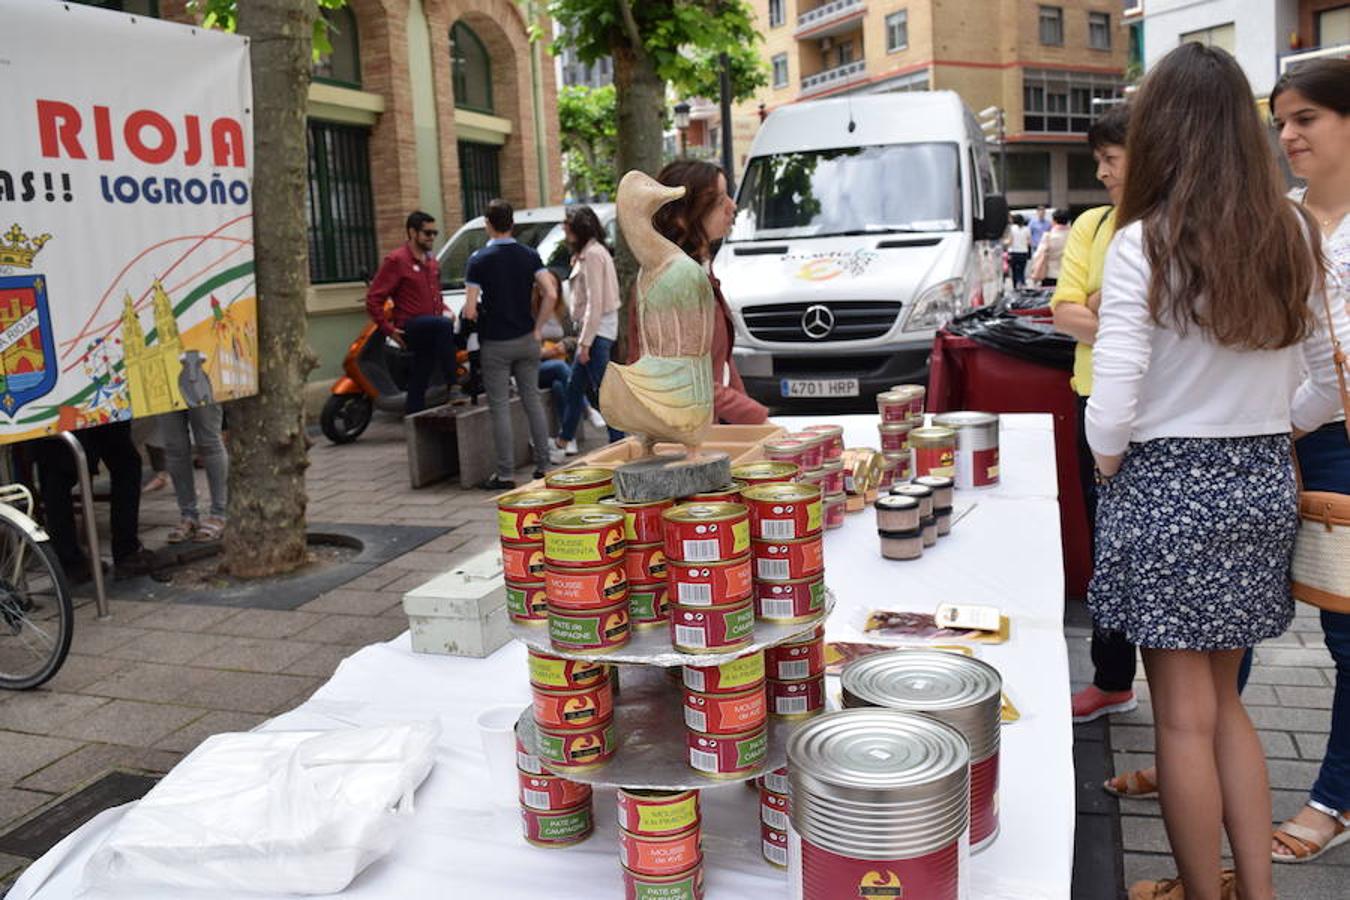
[(1018, 243), (1050, 251), (1207, 325), (1311, 106)]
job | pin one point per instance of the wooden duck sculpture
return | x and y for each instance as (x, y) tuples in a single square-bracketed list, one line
[(667, 395)]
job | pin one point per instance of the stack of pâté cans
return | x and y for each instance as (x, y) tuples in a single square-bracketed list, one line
[(660, 844)]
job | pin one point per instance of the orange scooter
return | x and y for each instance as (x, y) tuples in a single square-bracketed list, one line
[(376, 378)]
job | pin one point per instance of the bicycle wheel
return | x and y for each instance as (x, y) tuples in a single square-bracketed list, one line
[(36, 616)]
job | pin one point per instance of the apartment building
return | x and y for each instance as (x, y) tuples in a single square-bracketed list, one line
[(1051, 66), (1266, 36)]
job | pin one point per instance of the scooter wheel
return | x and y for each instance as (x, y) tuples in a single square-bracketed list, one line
[(345, 416)]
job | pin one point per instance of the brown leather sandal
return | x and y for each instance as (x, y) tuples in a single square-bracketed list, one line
[(1133, 785), (1172, 888), (1302, 842)]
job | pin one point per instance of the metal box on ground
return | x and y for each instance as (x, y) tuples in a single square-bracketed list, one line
[(461, 612)]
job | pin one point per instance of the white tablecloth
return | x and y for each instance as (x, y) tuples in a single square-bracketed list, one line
[(463, 843)]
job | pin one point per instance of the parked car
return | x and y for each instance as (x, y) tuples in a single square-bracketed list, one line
[(863, 224)]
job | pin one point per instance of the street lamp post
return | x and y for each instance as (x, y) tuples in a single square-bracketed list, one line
[(682, 125)]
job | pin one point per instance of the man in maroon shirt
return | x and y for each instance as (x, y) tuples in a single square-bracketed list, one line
[(411, 278)]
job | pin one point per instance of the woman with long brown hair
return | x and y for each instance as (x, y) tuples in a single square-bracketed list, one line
[(695, 223), (1207, 321)]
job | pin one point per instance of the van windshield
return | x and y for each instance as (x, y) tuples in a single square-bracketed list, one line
[(851, 190)]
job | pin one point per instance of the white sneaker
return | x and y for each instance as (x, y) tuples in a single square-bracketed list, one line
[(571, 448), (593, 416), (556, 454)]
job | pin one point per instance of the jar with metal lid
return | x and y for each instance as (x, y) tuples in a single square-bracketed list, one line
[(934, 451), (896, 512), (928, 525), (941, 486), (921, 493), (907, 544)]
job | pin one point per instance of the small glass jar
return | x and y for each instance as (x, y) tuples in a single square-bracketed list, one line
[(944, 520), (920, 493), (897, 513), (901, 544), (930, 530), (941, 486)]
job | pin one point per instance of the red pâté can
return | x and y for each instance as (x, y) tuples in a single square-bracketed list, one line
[(834, 434), (657, 813), (645, 563), (765, 471), (579, 537), (641, 519), (895, 436), (594, 587), (813, 456), (526, 760), (725, 713), (648, 604), (709, 583), (577, 750), (668, 854), (587, 484), (558, 828), (523, 563), (551, 792), (794, 699), (783, 512), (712, 629), (706, 532), (776, 781), (727, 493), (601, 629), (774, 846), (527, 602), (681, 886), (934, 451), (834, 481), (575, 708), (727, 755), (786, 449), (773, 809), (732, 677), (554, 672), (788, 560), (790, 601), (519, 512), (797, 660)]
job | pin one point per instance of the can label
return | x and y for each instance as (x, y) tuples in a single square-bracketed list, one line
[(787, 450), (935, 461), (784, 514), (605, 544), (523, 562), (558, 828), (794, 662), (526, 602), (813, 451), (589, 629), (786, 601), (834, 482), (641, 521), (774, 845), (836, 508), (976, 468), (731, 677), (773, 810), (776, 782), (712, 628), (797, 698), (646, 854), (894, 440), (595, 588), (710, 584), (691, 540), (519, 514), (893, 410), (580, 708), (984, 799), (526, 761), (555, 672), (826, 875), (725, 713), (657, 812), (581, 750), (729, 755), (789, 560), (645, 563), (551, 793), (684, 886)]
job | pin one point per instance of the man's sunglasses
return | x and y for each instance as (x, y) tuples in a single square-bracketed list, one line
[(430, 232)]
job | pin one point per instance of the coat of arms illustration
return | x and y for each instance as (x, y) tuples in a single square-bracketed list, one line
[(28, 364)]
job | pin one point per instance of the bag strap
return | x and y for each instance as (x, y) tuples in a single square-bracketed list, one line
[(1338, 359)]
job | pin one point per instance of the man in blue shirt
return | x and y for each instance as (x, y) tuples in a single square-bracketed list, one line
[(1039, 226), (499, 283)]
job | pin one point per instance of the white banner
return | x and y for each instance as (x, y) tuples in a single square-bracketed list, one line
[(126, 218)]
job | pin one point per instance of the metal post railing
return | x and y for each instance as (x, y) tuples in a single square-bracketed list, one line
[(90, 523)]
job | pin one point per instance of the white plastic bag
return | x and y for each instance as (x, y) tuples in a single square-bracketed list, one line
[(278, 812)]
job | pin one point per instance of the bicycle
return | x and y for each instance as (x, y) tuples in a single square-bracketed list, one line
[(37, 618)]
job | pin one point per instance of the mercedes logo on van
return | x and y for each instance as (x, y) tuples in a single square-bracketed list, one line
[(817, 322)]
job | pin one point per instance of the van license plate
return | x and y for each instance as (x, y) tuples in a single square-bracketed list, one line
[(820, 387)]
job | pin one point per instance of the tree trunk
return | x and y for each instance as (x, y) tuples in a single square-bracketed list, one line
[(640, 102), (266, 530)]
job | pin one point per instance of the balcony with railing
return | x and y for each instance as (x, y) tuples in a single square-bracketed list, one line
[(1293, 60), (839, 76), (831, 17)]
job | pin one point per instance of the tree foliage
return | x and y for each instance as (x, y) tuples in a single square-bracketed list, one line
[(589, 125), (223, 14)]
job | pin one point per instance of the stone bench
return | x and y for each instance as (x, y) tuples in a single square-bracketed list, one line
[(456, 439)]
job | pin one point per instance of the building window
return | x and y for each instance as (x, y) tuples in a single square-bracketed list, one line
[(1099, 30), (1333, 27), (1065, 102), (1083, 172), (343, 65), (1028, 172), (777, 12), (1052, 26), (339, 206), (897, 31), (1222, 36), (844, 53), (480, 177), (780, 70), (472, 69)]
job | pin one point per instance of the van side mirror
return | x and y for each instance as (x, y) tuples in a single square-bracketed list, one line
[(994, 222)]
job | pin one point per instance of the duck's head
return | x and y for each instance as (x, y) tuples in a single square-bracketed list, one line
[(642, 195)]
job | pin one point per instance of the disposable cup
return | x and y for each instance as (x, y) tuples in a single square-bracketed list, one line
[(497, 729)]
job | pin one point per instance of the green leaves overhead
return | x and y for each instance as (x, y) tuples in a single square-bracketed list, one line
[(221, 15), (589, 126)]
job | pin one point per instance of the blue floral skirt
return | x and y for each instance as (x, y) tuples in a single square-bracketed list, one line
[(1194, 542)]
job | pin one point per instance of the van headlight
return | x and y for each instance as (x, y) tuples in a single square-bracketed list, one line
[(936, 306)]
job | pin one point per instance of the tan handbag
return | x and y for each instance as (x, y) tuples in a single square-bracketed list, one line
[(1322, 546)]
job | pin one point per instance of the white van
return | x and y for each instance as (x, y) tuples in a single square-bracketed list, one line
[(863, 224)]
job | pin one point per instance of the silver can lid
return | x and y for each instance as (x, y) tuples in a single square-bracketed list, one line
[(876, 752), (963, 418)]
